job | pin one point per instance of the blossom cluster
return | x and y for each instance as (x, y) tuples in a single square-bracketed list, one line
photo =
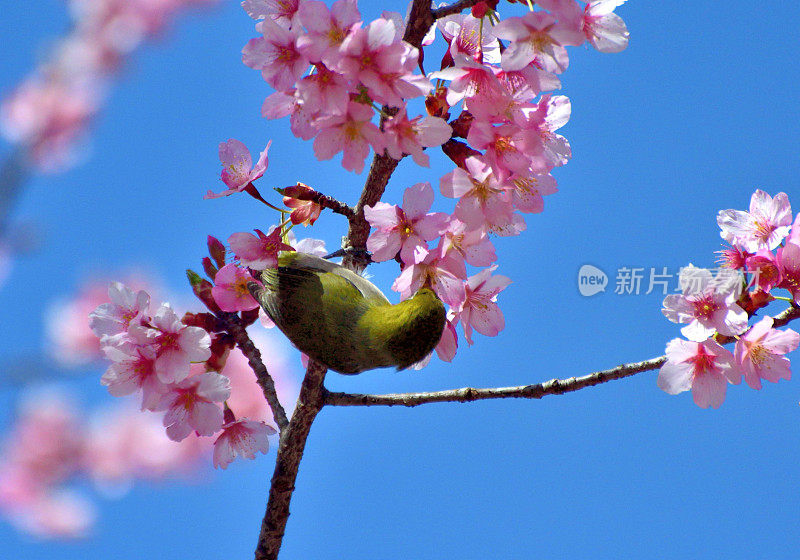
[(169, 365), (763, 256), (492, 72), (54, 442), (48, 113)]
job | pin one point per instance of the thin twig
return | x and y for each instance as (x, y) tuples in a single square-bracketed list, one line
[(234, 327), (290, 452), (469, 394)]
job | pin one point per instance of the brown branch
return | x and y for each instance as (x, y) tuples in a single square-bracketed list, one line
[(290, 451), (537, 391), (455, 8), (234, 327), (323, 200), (469, 394), (380, 170)]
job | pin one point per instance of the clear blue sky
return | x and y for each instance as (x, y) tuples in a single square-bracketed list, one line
[(697, 113)]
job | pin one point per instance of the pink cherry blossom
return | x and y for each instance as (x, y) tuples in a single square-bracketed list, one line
[(788, 260), (230, 289), (327, 29), (760, 353), (508, 148), (124, 445), (483, 200), (404, 230), (765, 225), (283, 12), (190, 405), (468, 37), (537, 36), (241, 438), (384, 64), (258, 252), (468, 79), (410, 136), (70, 336), (448, 344), (276, 54), (237, 167), (470, 245), (62, 514), (480, 310), (351, 133), (431, 272), (301, 115), (704, 367), (706, 304), (177, 345), (604, 29), (527, 191), (540, 122), (125, 308), (733, 257), (323, 92), (763, 269), (133, 369)]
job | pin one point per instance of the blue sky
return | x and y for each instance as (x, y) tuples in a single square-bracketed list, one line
[(699, 111)]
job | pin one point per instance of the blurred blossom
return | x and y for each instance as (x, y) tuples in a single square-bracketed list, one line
[(49, 112), (68, 337)]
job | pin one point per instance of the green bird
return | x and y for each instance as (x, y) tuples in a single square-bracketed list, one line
[(342, 320)]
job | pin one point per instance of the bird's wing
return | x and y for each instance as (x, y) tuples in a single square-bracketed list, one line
[(312, 263)]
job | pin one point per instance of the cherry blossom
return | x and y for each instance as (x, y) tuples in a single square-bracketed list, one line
[(706, 304), (126, 307), (410, 136), (432, 272), (537, 36), (448, 344), (404, 230), (351, 133), (177, 345), (705, 368), (480, 310), (283, 12), (241, 438), (765, 225), (230, 289), (276, 54), (327, 29), (760, 353), (604, 29), (467, 244), (238, 170), (382, 63), (260, 251), (789, 264), (133, 369), (190, 405), (482, 199)]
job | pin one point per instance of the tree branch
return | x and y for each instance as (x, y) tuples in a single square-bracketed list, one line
[(537, 391), (455, 8), (290, 451), (469, 394), (323, 200), (234, 327)]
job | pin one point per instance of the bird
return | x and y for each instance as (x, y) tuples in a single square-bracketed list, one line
[(342, 320)]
